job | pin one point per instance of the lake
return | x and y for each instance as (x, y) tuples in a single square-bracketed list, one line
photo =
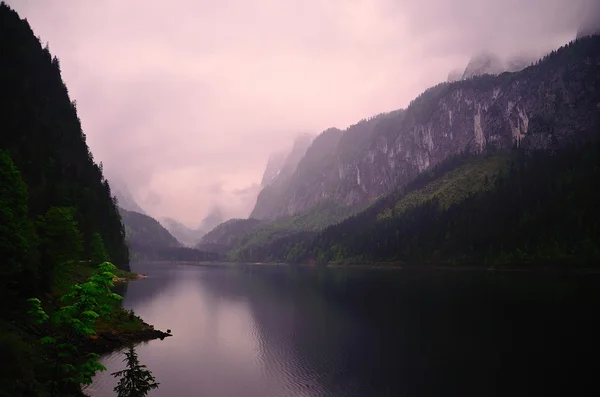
[(268, 330)]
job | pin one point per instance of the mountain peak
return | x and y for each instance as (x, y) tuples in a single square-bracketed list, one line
[(483, 62)]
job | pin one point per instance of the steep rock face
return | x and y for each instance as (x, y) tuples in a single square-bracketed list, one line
[(274, 165), (553, 102), (270, 198), (282, 165)]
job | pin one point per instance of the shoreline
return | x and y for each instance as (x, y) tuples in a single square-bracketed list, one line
[(129, 278), (503, 268), (112, 338)]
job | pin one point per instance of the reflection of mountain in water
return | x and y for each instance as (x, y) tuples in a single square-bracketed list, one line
[(285, 331), (356, 333)]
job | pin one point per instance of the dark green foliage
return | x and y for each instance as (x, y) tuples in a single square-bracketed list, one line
[(53, 200), (42, 133), (228, 234), (136, 380), (160, 253), (16, 240), (59, 241), (318, 218), (81, 307), (541, 210), (98, 252), (17, 377)]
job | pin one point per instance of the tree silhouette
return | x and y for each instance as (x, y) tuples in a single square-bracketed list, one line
[(136, 380)]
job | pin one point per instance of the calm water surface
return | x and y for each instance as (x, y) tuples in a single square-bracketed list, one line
[(260, 331)]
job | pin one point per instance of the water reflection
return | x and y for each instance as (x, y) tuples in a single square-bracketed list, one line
[(280, 331)]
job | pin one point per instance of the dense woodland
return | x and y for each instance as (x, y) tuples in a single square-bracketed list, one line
[(57, 216), (541, 209), (42, 134)]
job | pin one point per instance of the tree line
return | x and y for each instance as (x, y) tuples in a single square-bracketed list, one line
[(541, 210)]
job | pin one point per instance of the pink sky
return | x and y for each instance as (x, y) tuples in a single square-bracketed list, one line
[(184, 100)]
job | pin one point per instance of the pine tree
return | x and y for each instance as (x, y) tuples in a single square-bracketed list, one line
[(98, 254), (136, 380)]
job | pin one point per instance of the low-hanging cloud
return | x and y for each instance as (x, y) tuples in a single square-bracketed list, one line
[(183, 101)]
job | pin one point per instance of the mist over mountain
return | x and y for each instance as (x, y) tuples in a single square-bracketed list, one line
[(124, 197), (191, 236), (355, 166), (590, 23)]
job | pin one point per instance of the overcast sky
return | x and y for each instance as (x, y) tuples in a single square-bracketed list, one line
[(184, 100)]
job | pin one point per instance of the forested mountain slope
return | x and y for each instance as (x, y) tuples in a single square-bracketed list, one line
[(546, 105), (533, 207), (143, 230), (41, 132), (57, 217)]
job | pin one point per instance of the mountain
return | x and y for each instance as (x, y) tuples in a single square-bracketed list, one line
[(211, 220), (544, 106), (41, 132), (274, 165), (143, 230), (281, 165), (455, 75), (184, 234), (486, 62), (125, 198), (149, 240), (482, 63), (227, 235), (507, 208), (188, 236), (590, 23)]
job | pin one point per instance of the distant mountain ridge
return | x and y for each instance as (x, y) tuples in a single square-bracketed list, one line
[(125, 198), (543, 106), (142, 230), (282, 164), (188, 236)]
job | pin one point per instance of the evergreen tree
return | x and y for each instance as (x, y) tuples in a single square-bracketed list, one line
[(82, 306), (98, 252), (13, 215), (136, 380), (60, 240)]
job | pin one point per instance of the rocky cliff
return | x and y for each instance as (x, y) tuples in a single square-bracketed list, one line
[(282, 165), (555, 101)]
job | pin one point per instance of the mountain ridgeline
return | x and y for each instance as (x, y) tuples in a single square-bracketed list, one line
[(446, 179), (547, 105), (144, 231), (149, 240), (190, 236), (58, 220), (41, 133)]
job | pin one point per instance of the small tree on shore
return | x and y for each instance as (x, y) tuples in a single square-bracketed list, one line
[(72, 322), (136, 380), (98, 254)]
